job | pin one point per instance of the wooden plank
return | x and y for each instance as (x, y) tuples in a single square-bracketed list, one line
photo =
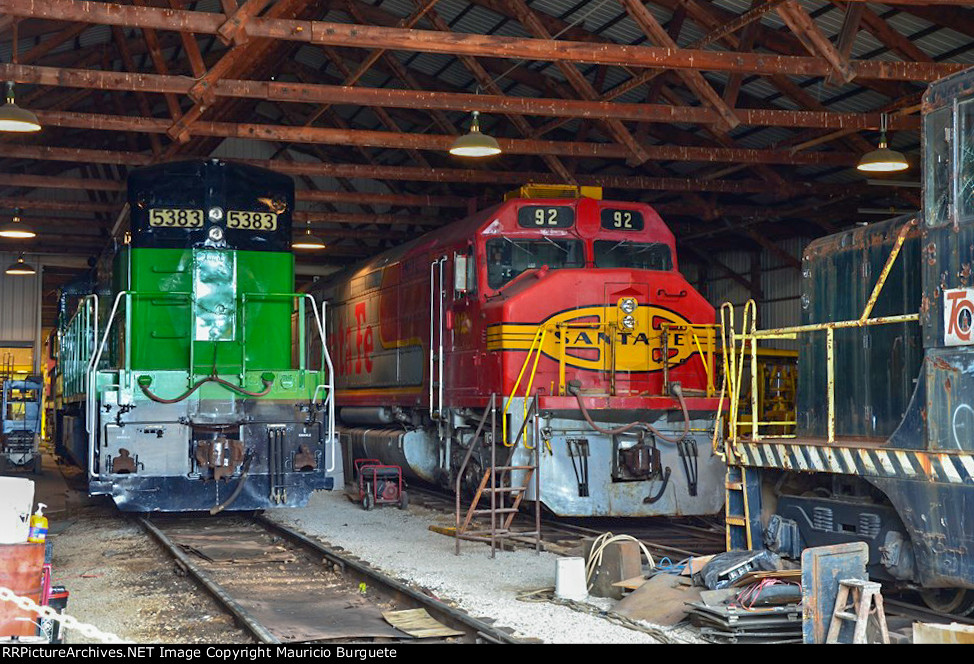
[(419, 623)]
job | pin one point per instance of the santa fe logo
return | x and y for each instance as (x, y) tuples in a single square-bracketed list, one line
[(958, 316)]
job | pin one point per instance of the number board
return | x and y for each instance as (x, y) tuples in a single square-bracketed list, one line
[(169, 218), (622, 220), (252, 221), (537, 216)]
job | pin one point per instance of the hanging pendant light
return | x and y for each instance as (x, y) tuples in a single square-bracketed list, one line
[(883, 160), (13, 118), (20, 268), (16, 229), (474, 143), (308, 241)]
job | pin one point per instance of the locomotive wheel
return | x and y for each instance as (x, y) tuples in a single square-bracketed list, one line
[(958, 601), (403, 500), (368, 500)]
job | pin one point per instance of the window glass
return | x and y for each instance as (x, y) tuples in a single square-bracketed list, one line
[(937, 192), (471, 272), (637, 255), (508, 257), (965, 171)]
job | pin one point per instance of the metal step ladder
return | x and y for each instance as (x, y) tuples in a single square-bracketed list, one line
[(497, 485), (742, 509)]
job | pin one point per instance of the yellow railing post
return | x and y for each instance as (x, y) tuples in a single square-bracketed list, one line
[(830, 369), (881, 281), (560, 335), (755, 415)]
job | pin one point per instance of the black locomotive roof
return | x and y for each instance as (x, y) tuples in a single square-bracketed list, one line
[(205, 192)]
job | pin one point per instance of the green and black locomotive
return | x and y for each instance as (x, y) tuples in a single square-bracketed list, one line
[(177, 386)]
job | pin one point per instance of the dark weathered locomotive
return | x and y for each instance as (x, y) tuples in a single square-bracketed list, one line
[(571, 301), (884, 451), (176, 385)]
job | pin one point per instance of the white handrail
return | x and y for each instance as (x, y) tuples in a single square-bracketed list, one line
[(90, 406), (330, 383)]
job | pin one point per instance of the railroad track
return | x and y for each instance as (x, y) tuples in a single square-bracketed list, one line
[(664, 537), (282, 586)]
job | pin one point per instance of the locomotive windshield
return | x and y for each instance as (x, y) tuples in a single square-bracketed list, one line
[(965, 170), (636, 255), (509, 257)]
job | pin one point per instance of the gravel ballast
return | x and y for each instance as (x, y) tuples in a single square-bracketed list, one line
[(400, 543)]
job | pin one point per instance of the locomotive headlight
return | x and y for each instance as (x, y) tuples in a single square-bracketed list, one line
[(215, 213), (215, 234), (629, 322), (628, 305)]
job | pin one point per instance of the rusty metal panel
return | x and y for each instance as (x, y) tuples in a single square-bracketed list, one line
[(822, 569), (877, 366)]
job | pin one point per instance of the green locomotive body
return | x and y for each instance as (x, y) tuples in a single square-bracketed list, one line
[(179, 389)]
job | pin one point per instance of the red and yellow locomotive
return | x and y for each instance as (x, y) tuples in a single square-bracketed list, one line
[(573, 301)]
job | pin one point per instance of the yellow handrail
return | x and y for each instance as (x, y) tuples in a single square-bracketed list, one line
[(537, 343), (751, 338)]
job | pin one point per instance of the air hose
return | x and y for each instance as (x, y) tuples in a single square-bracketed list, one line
[(267, 379), (240, 485), (677, 390)]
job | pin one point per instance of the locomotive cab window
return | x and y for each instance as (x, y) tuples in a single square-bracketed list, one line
[(965, 159), (636, 255), (509, 257), (938, 185)]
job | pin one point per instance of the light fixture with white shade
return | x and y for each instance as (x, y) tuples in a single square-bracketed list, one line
[(308, 241), (882, 159), (20, 268), (16, 229), (474, 143), (13, 118)]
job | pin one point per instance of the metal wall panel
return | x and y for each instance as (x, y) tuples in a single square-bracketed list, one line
[(19, 305), (780, 283)]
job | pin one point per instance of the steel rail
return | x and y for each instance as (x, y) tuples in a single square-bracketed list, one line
[(215, 589), (352, 567)]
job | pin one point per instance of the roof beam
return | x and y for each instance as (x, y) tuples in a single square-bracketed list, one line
[(811, 36), (307, 195), (490, 85), (450, 101), (615, 128), (231, 32), (411, 173), (693, 79), (438, 142), (352, 78), (361, 36)]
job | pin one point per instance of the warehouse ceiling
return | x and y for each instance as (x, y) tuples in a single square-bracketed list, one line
[(741, 120)]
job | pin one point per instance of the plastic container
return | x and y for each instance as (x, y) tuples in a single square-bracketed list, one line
[(570, 578), (16, 500), (38, 526)]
